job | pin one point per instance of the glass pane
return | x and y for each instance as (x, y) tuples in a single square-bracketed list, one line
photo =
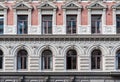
[(47, 59), (71, 58), (46, 24), (96, 59), (22, 59), (22, 24), (96, 23), (71, 24), (1, 24), (118, 23)]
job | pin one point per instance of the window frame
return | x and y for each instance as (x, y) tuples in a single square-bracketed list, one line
[(2, 61), (96, 56), (71, 56), (117, 62), (49, 65), (47, 21), (71, 26), (23, 21), (96, 29), (23, 64)]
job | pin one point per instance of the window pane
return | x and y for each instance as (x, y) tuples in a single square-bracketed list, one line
[(22, 24), (71, 59), (96, 24), (96, 59), (1, 59), (22, 59), (118, 59), (1, 24), (118, 23), (47, 59), (71, 24), (47, 24)]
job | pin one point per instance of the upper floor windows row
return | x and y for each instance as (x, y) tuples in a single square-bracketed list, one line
[(71, 24)]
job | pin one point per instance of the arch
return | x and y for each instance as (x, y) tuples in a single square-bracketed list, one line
[(4, 49), (47, 59), (17, 48), (103, 49), (44, 47), (114, 50), (79, 50), (14, 53)]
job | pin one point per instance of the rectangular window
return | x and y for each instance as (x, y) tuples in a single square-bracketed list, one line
[(96, 24), (71, 24), (22, 24), (1, 24), (47, 24), (118, 23)]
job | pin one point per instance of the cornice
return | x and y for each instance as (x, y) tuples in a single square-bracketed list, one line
[(60, 37)]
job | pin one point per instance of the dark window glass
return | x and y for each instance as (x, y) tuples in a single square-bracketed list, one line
[(46, 59), (118, 23), (1, 59), (71, 59), (118, 59), (96, 24), (47, 24), (71, 24), (96, 59), (22, 59), (1, 24), (22, 24)]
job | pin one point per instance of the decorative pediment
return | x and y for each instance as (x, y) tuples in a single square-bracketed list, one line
[(22, 5), (2, 6), (116, 6), (47, 5), (71, 5), (97, 5)]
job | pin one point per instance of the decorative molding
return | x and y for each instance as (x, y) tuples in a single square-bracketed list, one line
[(116, 6), (97, 5), (92, 37), (71, 5), (47, 5), (22, 5)]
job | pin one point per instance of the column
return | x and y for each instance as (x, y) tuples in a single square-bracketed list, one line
[(54, 21), (103, 21), (29, 20), (39, 20), (5, 20), (78, 21), (114, 20), (64, 20), (89, 21), (15, 21)]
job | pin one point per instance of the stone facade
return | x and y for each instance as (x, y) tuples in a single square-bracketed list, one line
[(84, 42)]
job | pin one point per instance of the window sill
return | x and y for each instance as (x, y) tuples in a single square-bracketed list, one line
[(22, 70), (46, 70), (71, 70), (96, 69)]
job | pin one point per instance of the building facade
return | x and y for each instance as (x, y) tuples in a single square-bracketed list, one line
[(59, 41)]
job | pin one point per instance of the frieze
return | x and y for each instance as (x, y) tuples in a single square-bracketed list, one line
[(91, 37)]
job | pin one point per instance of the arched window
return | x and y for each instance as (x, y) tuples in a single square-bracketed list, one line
[(1, 59), (96, 59), (71, 59), (118, 59), (46, 59), (22, 59)]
